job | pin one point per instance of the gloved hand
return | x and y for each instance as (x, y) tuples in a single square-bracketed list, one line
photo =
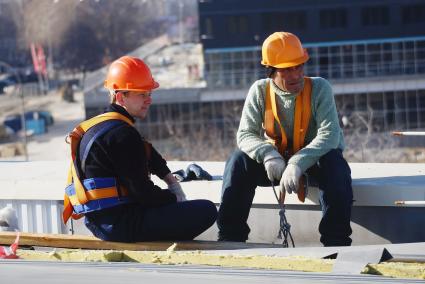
[(176, 189), (274, 165), (290, 178)]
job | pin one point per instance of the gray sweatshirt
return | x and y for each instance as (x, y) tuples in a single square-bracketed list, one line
[(324, 132)]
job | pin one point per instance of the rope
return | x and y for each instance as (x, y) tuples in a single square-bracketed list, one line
[(285, 227)]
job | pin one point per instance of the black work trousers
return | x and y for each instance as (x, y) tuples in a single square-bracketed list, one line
[(242, 175), (133, 223)]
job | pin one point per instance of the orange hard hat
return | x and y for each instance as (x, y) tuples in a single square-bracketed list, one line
[(283, 50), (130, 74)]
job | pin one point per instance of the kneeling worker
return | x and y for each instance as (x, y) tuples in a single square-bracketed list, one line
[(109, 180), (289, 126)]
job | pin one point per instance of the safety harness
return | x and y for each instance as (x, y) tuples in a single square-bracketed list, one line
[(94, 193), (301, 122)]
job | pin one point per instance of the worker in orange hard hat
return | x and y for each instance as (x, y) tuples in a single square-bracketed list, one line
[(127, 76), (288, 135), (109, 180)]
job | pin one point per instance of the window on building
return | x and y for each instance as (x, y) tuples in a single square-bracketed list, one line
[(375, 16), (413, 14), (243, 24), (237, 24), (208, 28), (420, 56), (347, 60), (333, 18), (294, 20), (288, 21)]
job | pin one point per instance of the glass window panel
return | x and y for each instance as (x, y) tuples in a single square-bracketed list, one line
[(361, 102), (412, 116), (421, 97), (400, 102), (333, 18), (323, 51), (375, 16), (389, 100), (411, 99), (413, 14), (208, 26)]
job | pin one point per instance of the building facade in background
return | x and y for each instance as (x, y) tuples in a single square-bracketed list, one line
[(372, 51), (345, 39)]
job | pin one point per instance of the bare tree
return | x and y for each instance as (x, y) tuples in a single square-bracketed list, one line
[(366, 142), (85, 35), (46, 21), (120, 27), (201, 139)]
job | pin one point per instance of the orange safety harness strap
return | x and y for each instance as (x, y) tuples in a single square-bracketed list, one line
[(270, 116), (302, 117), (74, 139)]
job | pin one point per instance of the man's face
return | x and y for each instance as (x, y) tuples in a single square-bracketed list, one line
[(137, 103), (290, 79)]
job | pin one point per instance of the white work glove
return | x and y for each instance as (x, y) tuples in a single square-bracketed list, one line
[(176, 189), (290, 178), (274, 165)]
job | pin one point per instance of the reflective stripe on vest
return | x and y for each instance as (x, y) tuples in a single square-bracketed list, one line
[(76, 194), (301, 121), (101, 192)]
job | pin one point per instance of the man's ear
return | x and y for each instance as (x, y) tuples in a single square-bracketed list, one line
[(119, 97)]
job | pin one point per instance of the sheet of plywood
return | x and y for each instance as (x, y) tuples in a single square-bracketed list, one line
[(90, 242)]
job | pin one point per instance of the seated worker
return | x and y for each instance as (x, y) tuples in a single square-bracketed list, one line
[(289, 126), (111, 169)]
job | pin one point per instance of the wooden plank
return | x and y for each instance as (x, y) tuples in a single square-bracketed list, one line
[(90, 242)]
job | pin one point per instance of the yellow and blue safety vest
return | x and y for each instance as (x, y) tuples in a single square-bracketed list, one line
[(97, 193)]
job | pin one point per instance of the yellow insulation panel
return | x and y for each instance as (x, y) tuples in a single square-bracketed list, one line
[(171, 257)]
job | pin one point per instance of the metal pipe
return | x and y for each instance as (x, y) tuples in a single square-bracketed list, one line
[(415, 202), (409, 133)]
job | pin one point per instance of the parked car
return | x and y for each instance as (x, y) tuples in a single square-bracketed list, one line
[(28, 77), (5, 82), (32, 119)]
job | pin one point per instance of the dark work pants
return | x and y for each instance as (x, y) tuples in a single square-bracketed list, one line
[(242, 175), (133, 223)]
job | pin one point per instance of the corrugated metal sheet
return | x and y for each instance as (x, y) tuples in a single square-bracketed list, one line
[(38, 216)]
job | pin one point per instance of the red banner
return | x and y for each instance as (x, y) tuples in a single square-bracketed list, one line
[(38, 59)]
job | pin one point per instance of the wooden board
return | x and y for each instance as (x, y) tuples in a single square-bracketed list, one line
[(90, 242)]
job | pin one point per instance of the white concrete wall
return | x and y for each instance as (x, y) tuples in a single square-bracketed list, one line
[(35, 190)]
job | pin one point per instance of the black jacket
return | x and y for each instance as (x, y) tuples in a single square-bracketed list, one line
[(120, 153)]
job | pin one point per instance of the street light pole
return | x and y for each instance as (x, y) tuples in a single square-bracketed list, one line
[(50, 68), (21, 94), (181, 6)]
